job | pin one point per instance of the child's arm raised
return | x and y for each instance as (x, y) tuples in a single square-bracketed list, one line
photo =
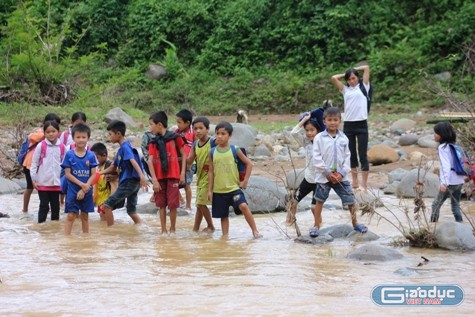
[(248, 164)]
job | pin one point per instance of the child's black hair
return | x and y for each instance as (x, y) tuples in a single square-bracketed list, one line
[(185, 115), (78, 116), (159, 117), (117, 126), (52, 117), (446, 132), (226, 126), (81, 127), (203, 120), (312, 122), (51, 123), (99, 148), (332, 111)]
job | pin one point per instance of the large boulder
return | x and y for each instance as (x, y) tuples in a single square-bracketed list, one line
[(294, 178), (397, 174), (455, 236), (382, 154), (264, 195), (427, 142), (406, 186), (119, 114), (243, 135), (372, 252), (408, 139), (402, 125), (8, 187)]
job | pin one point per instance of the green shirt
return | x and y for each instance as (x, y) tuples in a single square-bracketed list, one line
[(226, 175)]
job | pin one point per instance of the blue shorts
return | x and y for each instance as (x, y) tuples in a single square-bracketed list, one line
[(127, 189), (222, 201), (343, 190), (84, 205)]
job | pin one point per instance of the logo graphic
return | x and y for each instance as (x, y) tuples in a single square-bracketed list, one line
[(421, 295)]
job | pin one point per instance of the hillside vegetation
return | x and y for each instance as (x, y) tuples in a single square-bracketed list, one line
[(263, 56)]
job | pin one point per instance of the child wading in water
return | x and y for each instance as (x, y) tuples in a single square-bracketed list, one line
[(224, 187), (80, 169), (450, 182), (312, 122), (46, 169), (331, 157), (200, 153)]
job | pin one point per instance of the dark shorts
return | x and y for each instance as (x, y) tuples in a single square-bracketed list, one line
[(29, 182), (169, 194), (343, 190), (222, 202), (128, 189), (304, 189), (83, 205)]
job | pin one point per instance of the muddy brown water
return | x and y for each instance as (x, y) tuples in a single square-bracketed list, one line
[(129, 270)]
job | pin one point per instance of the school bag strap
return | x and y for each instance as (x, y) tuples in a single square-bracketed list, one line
[(44, 147), (367, 94)]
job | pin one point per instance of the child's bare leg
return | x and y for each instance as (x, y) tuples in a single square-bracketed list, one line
[(209, 220), (250, 219), (354, 178), (364, 179), (68, 224), (317, 214), (135, 217), (172, 220), (163, 219), (85, 222), (198, 218), (293, 210), (109, 216), (188, 196), (26, 199), (352, 209), (225, 226)]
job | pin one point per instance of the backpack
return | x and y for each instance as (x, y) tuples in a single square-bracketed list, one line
[(25, 148), (44, 146), (368, 94), (241, 167), (460, 161)]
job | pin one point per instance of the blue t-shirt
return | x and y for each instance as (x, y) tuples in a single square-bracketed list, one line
[(80, 168), (122, 162)]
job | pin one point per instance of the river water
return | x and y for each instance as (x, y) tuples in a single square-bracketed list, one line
[(130, 270)]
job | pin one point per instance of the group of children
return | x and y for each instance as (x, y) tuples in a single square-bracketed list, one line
[(172, 158)]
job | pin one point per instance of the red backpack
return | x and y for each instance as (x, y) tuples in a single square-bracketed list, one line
[(44, 146)]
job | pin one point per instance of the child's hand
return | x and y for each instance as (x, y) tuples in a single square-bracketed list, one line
[(442, 188), (156, 186), (143, 183), (85, 188), (182, 179), (243, 184), (80, 195), (210, 196)]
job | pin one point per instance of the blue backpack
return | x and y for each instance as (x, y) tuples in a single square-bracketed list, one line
[(460, 161), (25, 148), (241, 167)]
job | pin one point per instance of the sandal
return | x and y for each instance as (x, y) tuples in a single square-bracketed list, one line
[(361, 228), (314, 232)]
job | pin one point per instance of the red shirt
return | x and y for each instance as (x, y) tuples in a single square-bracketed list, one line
[(172, 156), (190, 138)]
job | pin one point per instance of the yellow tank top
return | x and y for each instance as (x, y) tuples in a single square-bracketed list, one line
[(101, 190), (226, 175), (202, 164)]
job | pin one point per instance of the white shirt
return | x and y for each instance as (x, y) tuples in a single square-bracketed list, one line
[(356, 104), (330, 153), (48, 174), (446, 175), (308, 145)]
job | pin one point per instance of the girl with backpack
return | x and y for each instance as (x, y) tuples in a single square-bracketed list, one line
[(450, 182), (46, 169), (356, 95)]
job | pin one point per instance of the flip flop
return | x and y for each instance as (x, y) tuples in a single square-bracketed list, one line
[(361, 228), (314, 232)]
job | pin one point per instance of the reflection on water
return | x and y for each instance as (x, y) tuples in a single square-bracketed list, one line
[(132, 270)]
